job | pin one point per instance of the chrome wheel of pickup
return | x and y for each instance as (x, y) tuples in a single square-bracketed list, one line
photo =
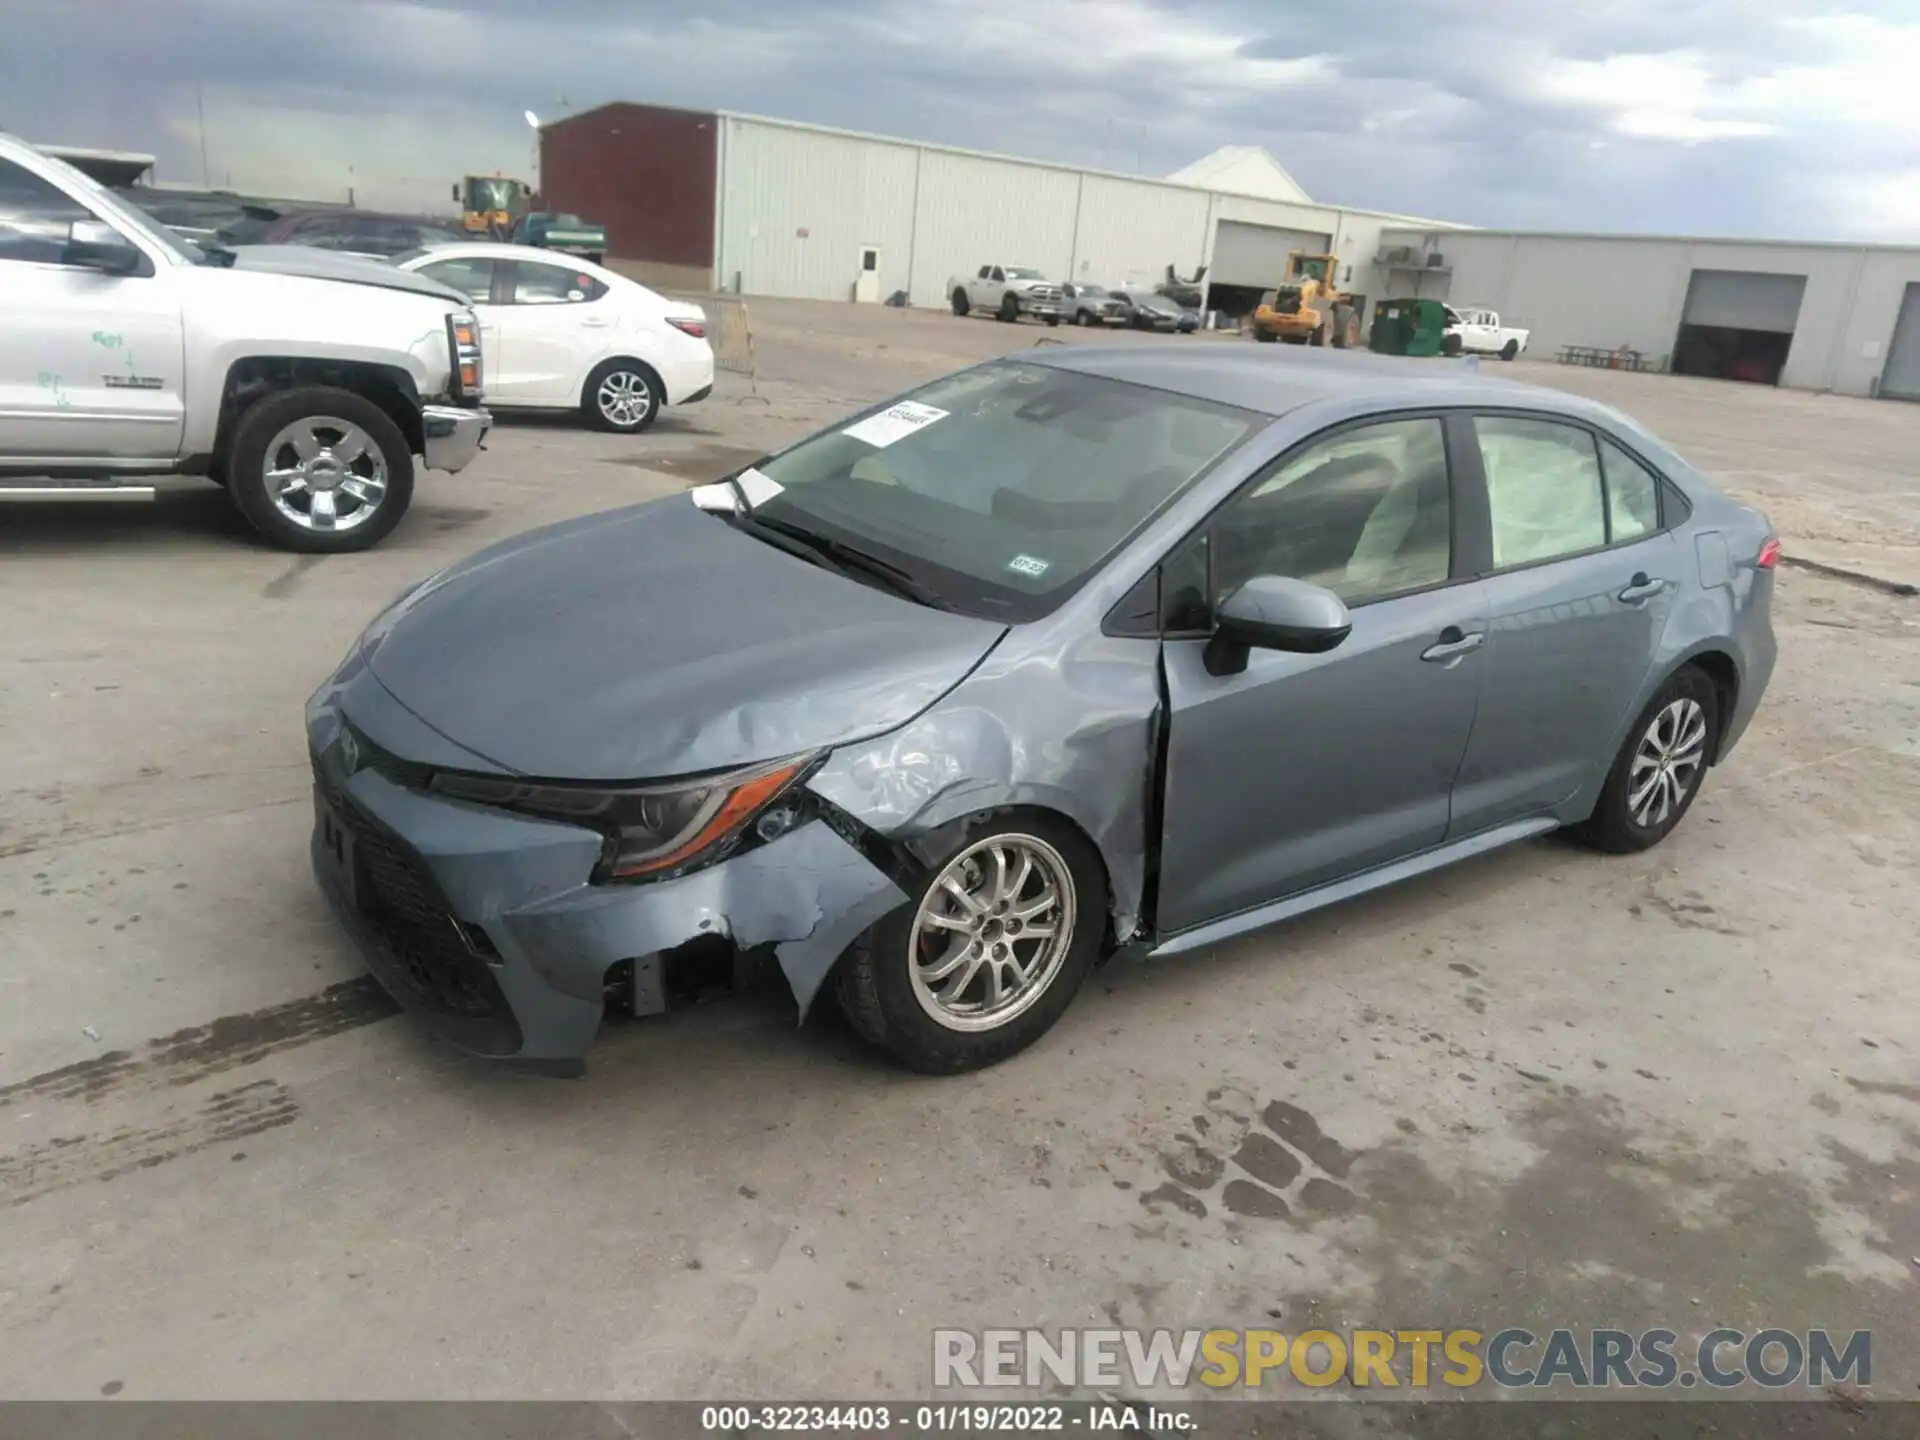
[(324, 473)]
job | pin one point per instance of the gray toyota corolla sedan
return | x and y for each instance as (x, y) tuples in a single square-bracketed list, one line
[(1080, 652)]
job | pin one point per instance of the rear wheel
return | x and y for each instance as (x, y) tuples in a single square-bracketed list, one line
[(1265, 337), (990, 951), (319, 470), (1658, 771), (1053, 319), (623, 396), (960, 303), (1510, 349)]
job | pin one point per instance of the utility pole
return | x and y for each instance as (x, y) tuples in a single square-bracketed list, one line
[(200, 108)]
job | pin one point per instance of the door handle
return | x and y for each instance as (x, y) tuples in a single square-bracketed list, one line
[(1640, 589), (590, 322), (1453, 646)]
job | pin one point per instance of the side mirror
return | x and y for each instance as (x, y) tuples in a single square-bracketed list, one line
[(100, 247), (1272, 612)]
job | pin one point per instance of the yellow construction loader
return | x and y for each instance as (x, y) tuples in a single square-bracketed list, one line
[(1308, 307)]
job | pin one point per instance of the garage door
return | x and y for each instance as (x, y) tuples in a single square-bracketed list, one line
[(1257, 254), (1901, 378), (1742, 300)]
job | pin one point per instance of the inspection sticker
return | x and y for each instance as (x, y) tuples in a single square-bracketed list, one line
[(896, 422), (1028, 565)]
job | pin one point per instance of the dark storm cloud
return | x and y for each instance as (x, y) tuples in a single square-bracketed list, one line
[(1706, 117)]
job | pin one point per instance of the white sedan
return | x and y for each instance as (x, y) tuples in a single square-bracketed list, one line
[(560, 333)]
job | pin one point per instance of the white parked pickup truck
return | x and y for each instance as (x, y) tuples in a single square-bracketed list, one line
[(304, 382), (1007, 292), (1479, 332)]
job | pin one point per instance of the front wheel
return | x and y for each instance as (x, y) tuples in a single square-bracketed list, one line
[(1009, 310), (1657, 773), (960, 303), (623, 396), (319, 470), (1053, 319), (989, 951)]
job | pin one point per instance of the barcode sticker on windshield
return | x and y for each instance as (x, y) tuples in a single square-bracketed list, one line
[(1028, 565), (896, 422)]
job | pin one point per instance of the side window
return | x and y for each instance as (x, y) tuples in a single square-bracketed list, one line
[(1368, 513), (472, 278), (1633, 495), (985, 270), (998, 274), (537, 284), (34, 216), (1543, 489)]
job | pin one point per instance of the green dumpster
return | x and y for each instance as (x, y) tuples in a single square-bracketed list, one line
[(1408, 326)]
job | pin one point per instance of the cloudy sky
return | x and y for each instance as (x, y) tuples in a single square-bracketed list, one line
[(1794, 118)]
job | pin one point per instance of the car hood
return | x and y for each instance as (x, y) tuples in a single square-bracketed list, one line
[(316, 264), (660, 641)]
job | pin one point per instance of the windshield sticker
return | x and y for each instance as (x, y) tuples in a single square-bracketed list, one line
[(1028, 565), (896, 422)]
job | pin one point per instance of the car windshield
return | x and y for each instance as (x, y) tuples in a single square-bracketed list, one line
[(1024, 272), (1001, 489)]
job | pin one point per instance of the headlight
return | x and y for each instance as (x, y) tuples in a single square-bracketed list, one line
[(648, 828)]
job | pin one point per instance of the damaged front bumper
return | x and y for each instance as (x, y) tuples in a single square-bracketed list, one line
[(486, 925)]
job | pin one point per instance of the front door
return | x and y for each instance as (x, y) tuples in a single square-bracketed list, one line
[(91, 365), (1305, 768), (1584, 581)]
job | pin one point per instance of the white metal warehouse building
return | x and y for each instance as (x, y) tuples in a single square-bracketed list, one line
[(799, 206), (758, 206)]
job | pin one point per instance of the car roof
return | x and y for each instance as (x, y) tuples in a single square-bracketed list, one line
[(500, 250), (1273, 380)]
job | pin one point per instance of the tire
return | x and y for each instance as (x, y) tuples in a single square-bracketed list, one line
[(1318, 339), (362, 463), (1264, 337), (934, 1026), (1009, 310), (961, 305), (1450, 345), (1685, 717), (622, 396), (1510, 349), (1053, 320)]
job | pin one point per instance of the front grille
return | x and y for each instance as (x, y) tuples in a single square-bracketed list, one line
[(402, 906), (1045, 292)]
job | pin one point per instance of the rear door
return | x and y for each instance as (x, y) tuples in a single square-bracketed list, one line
[(1582, 580), (557, 324), (1303, 768)]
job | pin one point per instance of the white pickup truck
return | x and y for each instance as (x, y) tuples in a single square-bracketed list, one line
[(1479, 332), (1007, 292), (305, 383)]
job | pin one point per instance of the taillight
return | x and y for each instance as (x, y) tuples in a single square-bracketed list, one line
[(695, 328), (1769, 553)]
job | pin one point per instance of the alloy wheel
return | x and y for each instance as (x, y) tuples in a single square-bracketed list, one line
[(992, 932), (624, 398), (325, 473), (1666, 763)]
